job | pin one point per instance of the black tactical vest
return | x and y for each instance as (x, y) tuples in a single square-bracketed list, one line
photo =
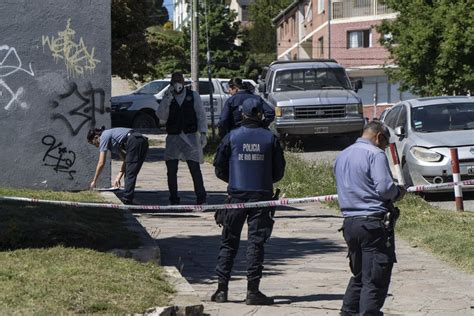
[(182, 118)]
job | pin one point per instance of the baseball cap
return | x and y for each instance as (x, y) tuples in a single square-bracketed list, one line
[(251, 107)]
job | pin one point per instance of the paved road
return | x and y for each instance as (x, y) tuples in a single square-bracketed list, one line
[(305, 258)]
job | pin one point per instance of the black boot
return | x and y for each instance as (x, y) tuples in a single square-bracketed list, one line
[(220, 295), (254, 296)]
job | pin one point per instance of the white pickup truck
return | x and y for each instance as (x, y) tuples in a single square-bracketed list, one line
[(138, 109)]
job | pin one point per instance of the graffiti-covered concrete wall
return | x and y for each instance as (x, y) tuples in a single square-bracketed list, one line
[(54, 86)]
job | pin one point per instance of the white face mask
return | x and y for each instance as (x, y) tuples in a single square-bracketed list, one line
[(178, 87)]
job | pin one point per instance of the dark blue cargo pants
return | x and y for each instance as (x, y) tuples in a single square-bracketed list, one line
[(259, 228), (371, 256)]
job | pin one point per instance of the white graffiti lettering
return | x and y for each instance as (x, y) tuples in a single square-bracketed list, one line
[(10, 63)]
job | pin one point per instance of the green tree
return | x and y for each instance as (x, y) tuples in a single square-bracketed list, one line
[(262, 33), (219, 21), (134, 50), (432, 43)]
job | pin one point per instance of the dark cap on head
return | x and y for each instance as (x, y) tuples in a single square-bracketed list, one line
[(251, 107)]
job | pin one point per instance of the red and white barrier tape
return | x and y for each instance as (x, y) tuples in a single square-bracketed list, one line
[(182, 208), (202, 208)]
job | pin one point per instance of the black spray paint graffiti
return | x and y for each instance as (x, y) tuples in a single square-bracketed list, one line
[(90, 101), (61, 160)]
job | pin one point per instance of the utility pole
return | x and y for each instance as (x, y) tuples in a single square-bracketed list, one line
[(209, 74), (195, 45), (329, 28)]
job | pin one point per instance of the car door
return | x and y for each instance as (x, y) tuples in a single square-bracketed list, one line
[(205, 89), (390, 120)]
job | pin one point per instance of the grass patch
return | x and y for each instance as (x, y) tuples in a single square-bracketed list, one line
[(24, 225), (447, 234), (69, 281), (53, 267), (82, 196), (303, 178), (211, 147)]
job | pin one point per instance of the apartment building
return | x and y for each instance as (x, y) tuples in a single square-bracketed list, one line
[(343, 30), (181, 14), (181, 11)]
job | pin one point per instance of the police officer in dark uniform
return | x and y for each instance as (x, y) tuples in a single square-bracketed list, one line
[(131, 146), (366, 193), (250, 160), (231, 115)]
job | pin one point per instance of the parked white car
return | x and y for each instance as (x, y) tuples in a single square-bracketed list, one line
[(138, 109), (424, 130)]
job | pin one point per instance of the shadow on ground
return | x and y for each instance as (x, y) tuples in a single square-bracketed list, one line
[(447, 196), (319, 143), (195, 256)]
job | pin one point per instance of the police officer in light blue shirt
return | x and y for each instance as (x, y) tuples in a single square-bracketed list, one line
[(366, 191), (131, 146)]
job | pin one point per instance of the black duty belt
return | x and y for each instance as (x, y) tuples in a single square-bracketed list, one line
[(365, 217)]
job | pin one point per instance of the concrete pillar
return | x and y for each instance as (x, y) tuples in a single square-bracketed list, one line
[(55, 74)]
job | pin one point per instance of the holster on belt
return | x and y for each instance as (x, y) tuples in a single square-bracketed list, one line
[(268, 217), (220, 215)]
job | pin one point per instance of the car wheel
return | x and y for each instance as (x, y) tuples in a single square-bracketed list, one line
[(406, 175), (143, 120)]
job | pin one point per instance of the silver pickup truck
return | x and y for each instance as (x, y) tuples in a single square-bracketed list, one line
[(313, 97)]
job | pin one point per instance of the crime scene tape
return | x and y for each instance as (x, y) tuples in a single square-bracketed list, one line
[(213, 207)]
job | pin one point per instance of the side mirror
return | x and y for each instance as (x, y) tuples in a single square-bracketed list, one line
[(400, 131), (261, 87), (357, 85)]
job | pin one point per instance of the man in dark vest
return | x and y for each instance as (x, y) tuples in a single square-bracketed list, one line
[(186, 125), (231, 115), (250, 160)]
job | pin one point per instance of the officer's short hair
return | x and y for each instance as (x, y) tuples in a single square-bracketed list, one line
[(378, 126), (236, 83), (93, 132)]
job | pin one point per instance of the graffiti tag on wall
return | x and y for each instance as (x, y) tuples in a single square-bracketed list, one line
[(85, 105), (76, 55), (11, 63), (58, 156)]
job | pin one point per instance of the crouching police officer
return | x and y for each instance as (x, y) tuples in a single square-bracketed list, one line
[(250, 159), (131, 146), (366, 193)]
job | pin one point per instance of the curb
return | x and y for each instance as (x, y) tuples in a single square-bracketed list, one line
[(185, 302)]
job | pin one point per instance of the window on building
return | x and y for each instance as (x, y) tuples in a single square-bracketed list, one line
[(321, 47), (294, 26), (359, 38), (245, 13), (309, 12), (320, 6)]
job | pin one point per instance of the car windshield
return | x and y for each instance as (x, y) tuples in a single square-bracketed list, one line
[(152, 87), (443, 117), (311, 79)]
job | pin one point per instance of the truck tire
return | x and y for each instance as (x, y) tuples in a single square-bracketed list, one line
[(143, 120)]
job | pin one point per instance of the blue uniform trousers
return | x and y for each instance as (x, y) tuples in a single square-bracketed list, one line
[(195, 170), (371, 255), (136, 148), (259, 223)]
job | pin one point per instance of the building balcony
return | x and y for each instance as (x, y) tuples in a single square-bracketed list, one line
[(344, 9)]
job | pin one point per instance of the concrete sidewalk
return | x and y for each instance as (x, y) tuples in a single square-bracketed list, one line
[(305, 259)]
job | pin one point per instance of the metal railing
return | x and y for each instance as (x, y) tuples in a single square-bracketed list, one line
[(343, 9)]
